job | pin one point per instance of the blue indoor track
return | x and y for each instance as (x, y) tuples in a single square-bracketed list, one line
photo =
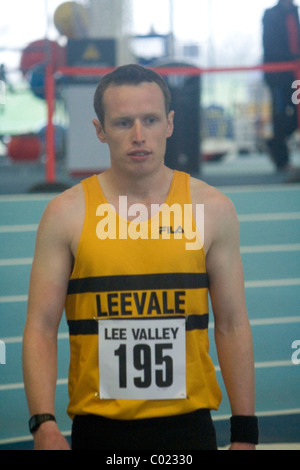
[(270, 247)]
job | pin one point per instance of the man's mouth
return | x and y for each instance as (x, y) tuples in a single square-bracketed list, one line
[(139, 154)]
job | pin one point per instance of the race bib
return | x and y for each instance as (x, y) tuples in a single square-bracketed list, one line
[(142, 359)]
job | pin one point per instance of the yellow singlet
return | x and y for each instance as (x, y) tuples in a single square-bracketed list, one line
[(141, 279)]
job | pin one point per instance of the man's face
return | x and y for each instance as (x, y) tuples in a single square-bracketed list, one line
[(136, 127)]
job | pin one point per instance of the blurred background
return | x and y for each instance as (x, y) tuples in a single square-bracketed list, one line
[(227, 114)]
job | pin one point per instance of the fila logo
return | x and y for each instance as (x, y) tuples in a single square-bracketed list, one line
[(170, 230)]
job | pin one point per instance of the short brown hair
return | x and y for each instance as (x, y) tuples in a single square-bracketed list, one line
[(131, 74)]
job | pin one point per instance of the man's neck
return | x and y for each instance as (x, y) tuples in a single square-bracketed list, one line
[(153, 187)]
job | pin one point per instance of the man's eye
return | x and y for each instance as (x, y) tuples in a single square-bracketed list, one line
[(123, 123), (151, 120)]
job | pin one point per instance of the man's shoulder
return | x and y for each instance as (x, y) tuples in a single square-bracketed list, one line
[(65, 205), (221, 219), (203, 193)]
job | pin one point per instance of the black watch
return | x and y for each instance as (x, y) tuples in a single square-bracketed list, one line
[(36, 420)]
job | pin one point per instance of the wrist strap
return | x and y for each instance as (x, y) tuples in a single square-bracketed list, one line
[(244, 429), (36, 420)]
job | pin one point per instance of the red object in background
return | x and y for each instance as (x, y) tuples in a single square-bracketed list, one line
[(39, 52), (23, 148)]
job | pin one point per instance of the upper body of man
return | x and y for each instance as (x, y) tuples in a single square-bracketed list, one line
[(135, 121)]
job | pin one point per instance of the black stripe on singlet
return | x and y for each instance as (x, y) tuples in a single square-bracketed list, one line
[(90, 327), (138, 282)]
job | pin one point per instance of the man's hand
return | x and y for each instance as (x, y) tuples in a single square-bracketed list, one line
[(242, 446), (49, 437)]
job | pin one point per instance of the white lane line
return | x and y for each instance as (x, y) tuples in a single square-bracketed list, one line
[(4, 299), (16, 262), (19, 339), (27, 197), (292, 411), (270, 248), (248, 285), (255, 322), (273, 283), (18, 228), (244, 250), (258, 188), (242, 218), (274, 321), (276, 216), (258, 365), (20, 385), (268, 365)]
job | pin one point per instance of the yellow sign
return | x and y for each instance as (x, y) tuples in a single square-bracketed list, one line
[(91, 53)]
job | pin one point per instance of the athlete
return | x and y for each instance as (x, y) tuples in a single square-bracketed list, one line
[(127, 255)]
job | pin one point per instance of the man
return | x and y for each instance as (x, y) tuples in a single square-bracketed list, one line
[(136, 293), (281, 42)]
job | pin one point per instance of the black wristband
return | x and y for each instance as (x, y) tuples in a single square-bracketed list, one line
[(36, 420), (244, 429)]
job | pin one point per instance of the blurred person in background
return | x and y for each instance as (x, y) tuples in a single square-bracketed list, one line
[(281, 43)]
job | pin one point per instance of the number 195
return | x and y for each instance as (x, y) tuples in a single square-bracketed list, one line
[(142, 361)]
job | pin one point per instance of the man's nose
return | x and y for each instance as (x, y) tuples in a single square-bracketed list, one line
[(137, 132)]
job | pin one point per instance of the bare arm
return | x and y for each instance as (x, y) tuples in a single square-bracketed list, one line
[(48, 286), (232, 328)]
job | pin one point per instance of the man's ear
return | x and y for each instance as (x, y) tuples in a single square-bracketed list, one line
[(99, 131), (170, 123)]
